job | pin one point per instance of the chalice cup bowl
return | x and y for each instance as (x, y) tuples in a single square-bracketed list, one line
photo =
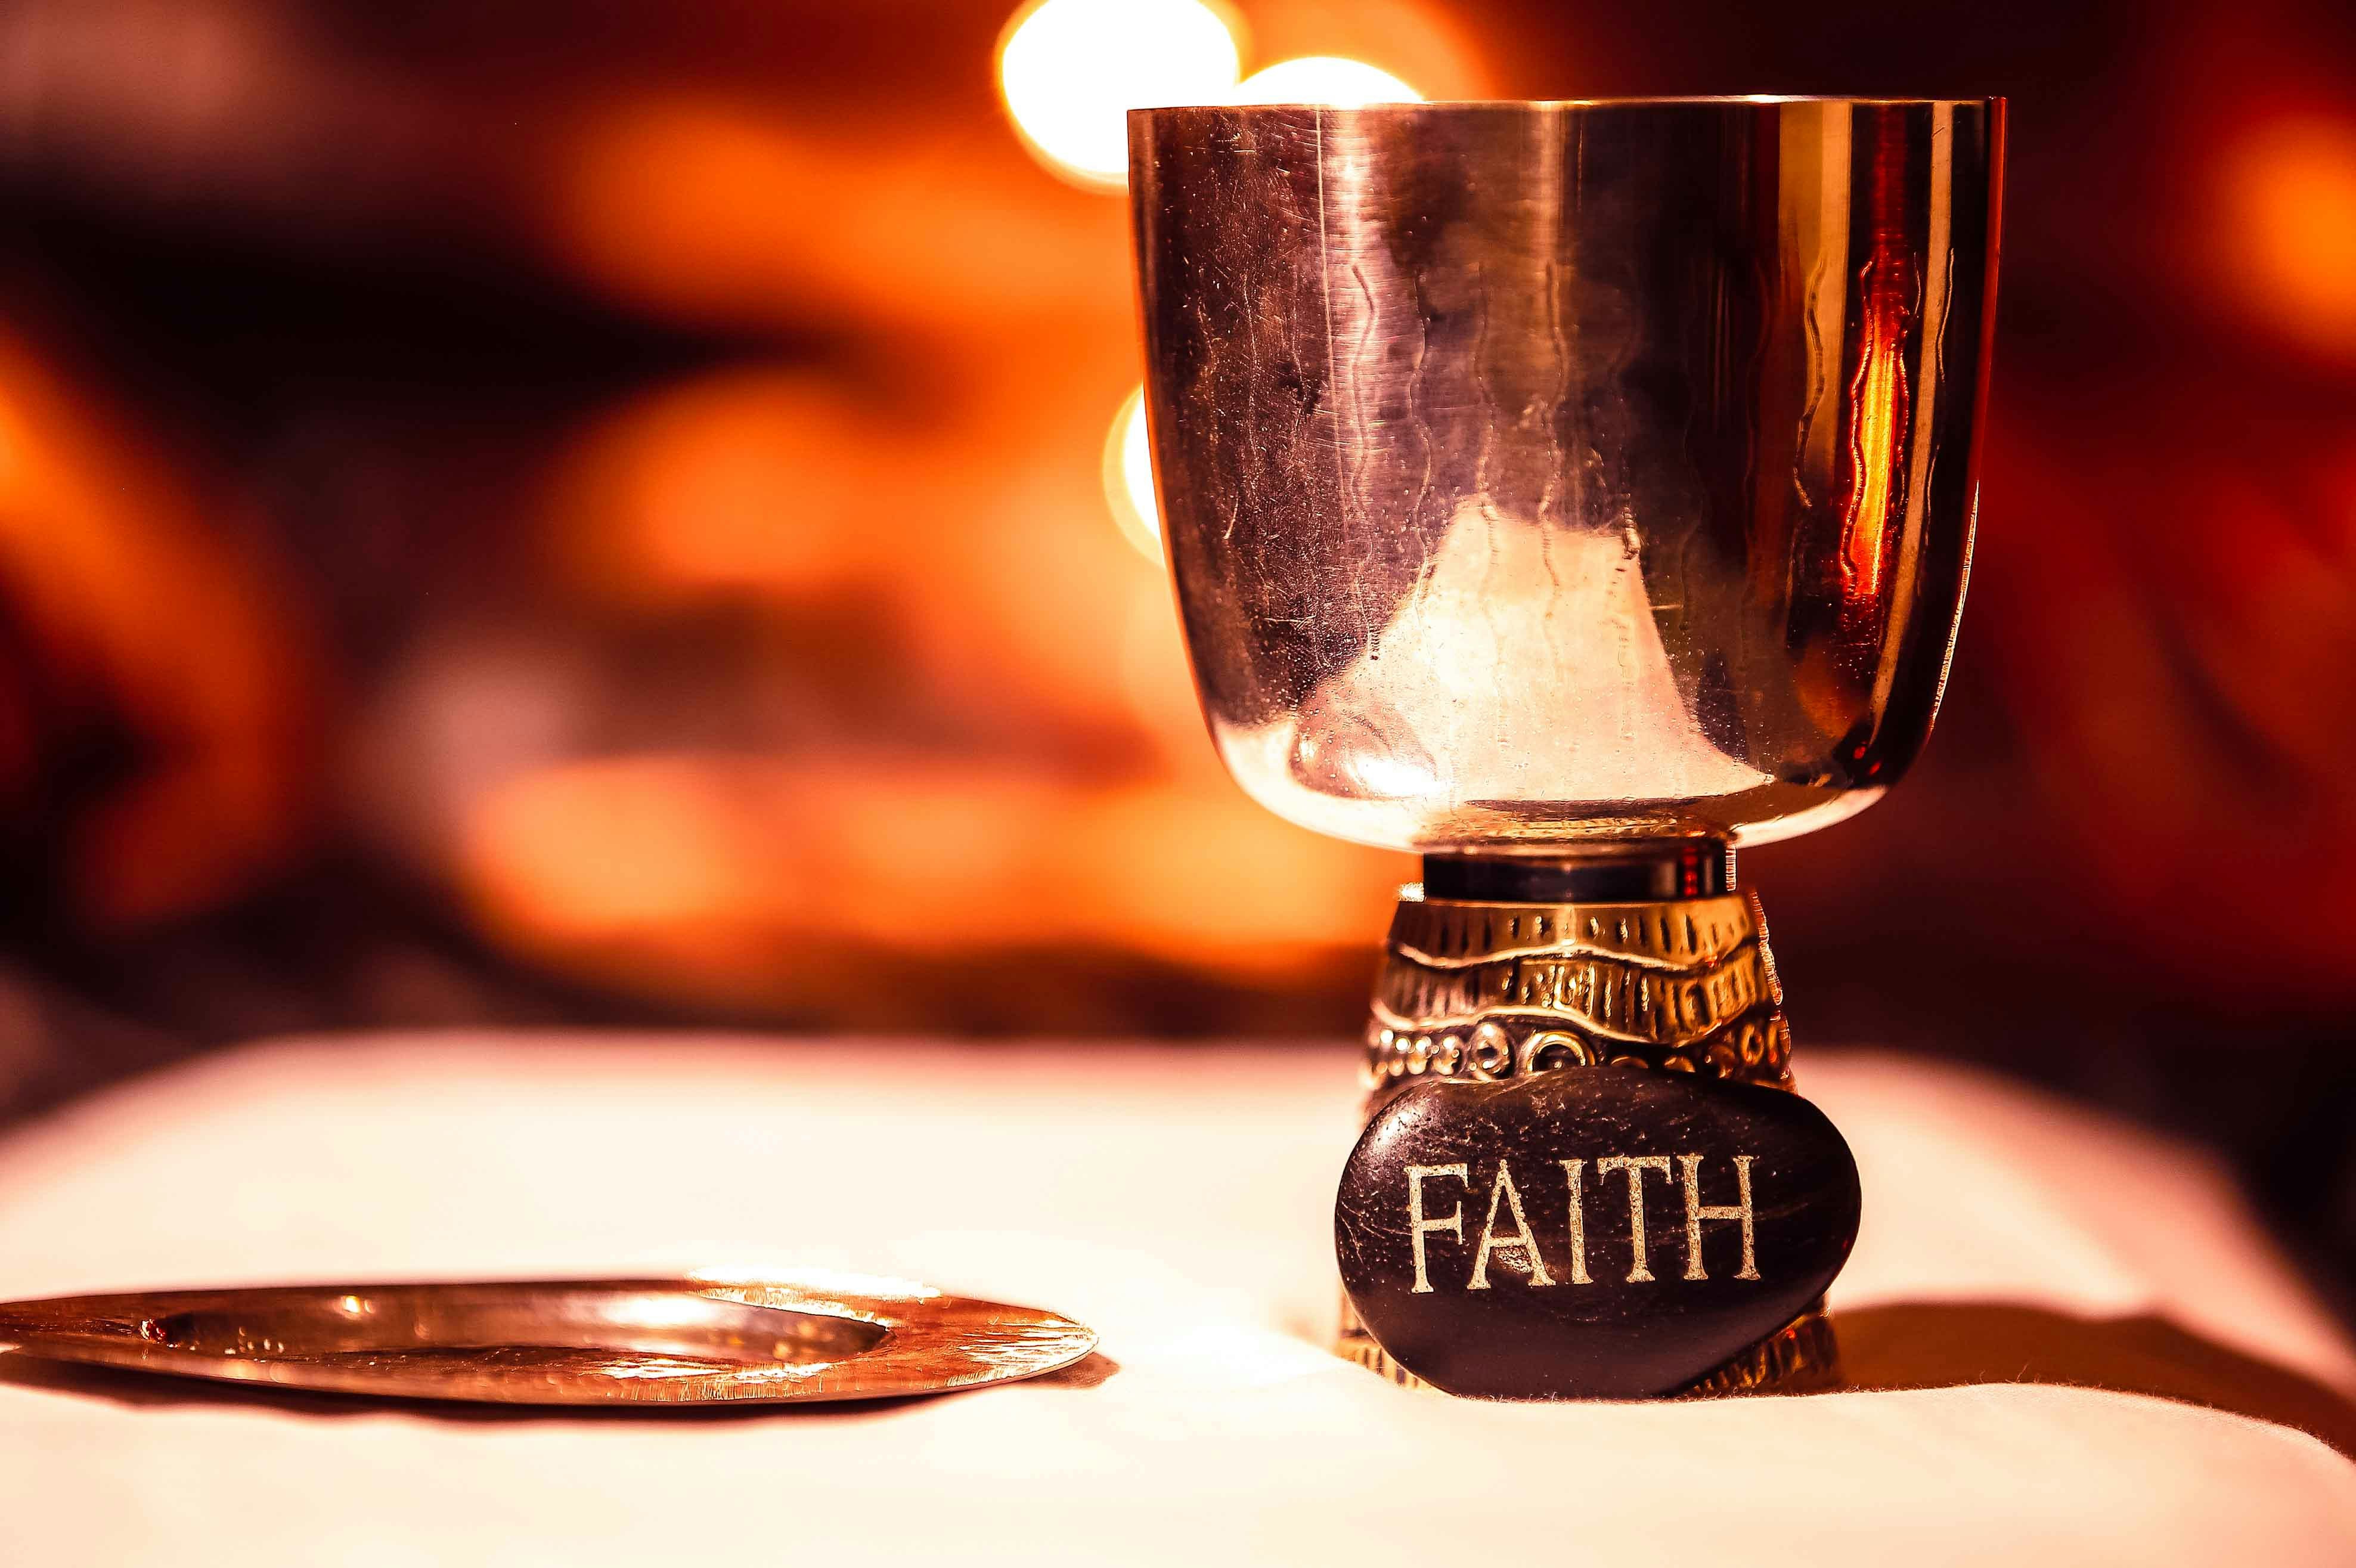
[(1571, 493)]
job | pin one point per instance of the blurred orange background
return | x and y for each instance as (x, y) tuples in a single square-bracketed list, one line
[(544, 514)]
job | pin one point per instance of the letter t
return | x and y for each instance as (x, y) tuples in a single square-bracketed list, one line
[(1639, 1270)]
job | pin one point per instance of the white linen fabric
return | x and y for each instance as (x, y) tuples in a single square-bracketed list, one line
[(1178, 1199)]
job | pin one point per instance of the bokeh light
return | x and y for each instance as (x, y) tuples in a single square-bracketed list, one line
[(743, 481), (2289, 238), (1071, 70), (705, 881), (1129, 478), (1325, 79)]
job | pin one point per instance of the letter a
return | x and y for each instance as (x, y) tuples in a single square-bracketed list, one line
[(1520, 1240)]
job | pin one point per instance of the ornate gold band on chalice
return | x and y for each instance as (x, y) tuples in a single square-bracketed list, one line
[(1486, 990)]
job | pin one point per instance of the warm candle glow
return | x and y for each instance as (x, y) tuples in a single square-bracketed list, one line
[(1325, 79), (2287, 229), (1071, 70), (1129, 478)]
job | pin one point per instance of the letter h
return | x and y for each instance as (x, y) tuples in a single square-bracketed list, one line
[(1697, 1212)]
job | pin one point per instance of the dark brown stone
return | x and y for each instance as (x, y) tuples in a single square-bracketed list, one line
[(1514, 1299)]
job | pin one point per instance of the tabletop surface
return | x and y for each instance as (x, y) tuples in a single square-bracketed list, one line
[(1178, 1199)]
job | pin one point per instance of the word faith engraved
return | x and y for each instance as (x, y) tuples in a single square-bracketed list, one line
[(1519, 1241)]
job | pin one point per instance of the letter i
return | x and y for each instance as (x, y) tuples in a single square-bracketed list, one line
[(1578, 1275)]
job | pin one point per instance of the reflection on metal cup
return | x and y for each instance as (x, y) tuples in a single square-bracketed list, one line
[(1546, 472)]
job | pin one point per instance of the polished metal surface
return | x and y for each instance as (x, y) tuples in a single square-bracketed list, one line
[(1606, 872), (565, 1342), (1540, 473)]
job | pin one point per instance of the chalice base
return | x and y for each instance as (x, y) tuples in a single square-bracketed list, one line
[(1801, 1357), (1646, 957)]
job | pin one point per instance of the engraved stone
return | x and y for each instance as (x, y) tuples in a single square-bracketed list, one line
[(1595, 1233)]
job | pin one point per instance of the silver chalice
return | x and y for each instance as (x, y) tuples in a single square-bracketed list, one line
[(1571, 493)]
